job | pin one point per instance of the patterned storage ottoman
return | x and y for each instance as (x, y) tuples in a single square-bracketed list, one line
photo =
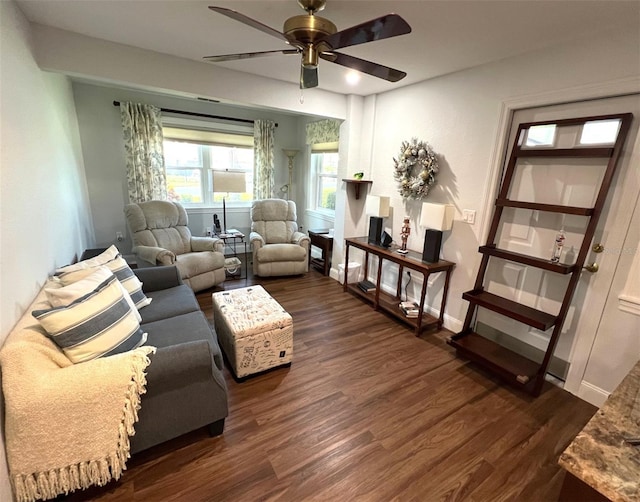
[(254, 331)]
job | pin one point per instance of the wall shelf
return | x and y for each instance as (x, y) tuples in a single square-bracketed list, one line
[(356, 184)]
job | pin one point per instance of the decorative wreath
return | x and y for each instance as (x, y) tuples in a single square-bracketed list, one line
[(415, 169)]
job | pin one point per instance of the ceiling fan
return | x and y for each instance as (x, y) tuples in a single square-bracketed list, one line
[(314, 37)]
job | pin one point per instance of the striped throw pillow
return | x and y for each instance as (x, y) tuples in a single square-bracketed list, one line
[(117, 264), (97, 324), (63, 296)]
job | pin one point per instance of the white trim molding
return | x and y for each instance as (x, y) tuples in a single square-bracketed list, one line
[(629, 299), (630, 304), (592, 394)]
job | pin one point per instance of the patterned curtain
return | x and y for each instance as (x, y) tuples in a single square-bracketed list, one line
[(142, 128), (323, 131), (264, 163)]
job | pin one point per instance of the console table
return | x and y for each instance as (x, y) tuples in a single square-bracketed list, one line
[(389, 303)]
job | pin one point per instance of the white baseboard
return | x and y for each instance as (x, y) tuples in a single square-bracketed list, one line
[(592, 394), (453, 324)]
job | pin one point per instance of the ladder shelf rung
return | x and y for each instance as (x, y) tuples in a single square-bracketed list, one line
[(550, 208), (565, 152), (559, 268), (510, 365), (527, 315)]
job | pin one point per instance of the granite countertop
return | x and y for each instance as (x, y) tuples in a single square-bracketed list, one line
[(599, 456)]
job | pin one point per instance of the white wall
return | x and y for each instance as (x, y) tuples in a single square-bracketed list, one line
[(79, 55), (45, 218), (459, 115), (103, 149)]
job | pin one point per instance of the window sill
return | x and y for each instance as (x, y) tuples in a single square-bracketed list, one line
[(209, 209), (321, 215)]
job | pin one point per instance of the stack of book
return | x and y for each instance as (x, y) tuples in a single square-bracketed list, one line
[(367, 286), (410, 309)]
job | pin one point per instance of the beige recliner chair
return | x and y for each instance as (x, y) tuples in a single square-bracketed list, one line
[(161, 237), (278, 247)]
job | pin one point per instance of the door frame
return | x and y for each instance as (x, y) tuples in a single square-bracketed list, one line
[(582, 345)]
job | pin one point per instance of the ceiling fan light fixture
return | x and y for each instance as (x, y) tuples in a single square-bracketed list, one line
[(352, 77)]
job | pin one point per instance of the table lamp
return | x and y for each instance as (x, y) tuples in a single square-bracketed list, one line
[(436, 218), (228, 182), (377, 208)]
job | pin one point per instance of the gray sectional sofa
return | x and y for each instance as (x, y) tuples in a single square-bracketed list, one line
[(185, 386), (69, 425)]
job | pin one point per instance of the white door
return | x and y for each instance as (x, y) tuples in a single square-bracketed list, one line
[(599, 345)]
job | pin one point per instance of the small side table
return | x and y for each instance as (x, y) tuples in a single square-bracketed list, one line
[(231, 242), (324, 241)]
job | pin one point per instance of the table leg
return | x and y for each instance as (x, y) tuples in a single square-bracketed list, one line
[(423, 293), (376, 303), (444, 298), (325, 261), (346, 267)]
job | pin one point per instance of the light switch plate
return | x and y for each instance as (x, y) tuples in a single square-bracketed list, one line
[(469, 215)]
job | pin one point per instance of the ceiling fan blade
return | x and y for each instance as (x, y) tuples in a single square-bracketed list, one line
[(368, 67), (308, 77), (247, 55), (249, 22), (387, 26)]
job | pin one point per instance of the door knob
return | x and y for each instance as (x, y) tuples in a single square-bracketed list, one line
[(593, 268), (597, 248)]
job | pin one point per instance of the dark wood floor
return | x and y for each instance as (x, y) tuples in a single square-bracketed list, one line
[(368, 412)]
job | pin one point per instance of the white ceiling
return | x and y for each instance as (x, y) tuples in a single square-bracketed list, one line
[(447, 36)]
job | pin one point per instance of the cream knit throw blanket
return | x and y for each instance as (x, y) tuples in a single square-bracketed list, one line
[(67, 426)]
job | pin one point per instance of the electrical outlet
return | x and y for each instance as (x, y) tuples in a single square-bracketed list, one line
[(208, 231), (119, 236), (469, 215)]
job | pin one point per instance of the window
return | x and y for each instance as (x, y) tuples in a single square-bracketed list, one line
[(324, 165), (191, 156), (541, 135), (600, 132)]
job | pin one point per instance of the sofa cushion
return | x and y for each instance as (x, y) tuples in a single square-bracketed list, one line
[(181, 329), (281, 252), (170, 303), (99, 323)]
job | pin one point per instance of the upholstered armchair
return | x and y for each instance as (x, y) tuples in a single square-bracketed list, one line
[(161, 237), (278, 247)]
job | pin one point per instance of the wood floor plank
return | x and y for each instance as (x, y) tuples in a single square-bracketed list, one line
[(367, 411)]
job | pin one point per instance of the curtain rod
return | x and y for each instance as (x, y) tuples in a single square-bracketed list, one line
[(196, 114)]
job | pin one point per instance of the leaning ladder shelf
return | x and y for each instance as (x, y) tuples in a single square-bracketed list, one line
[(509, 365)]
